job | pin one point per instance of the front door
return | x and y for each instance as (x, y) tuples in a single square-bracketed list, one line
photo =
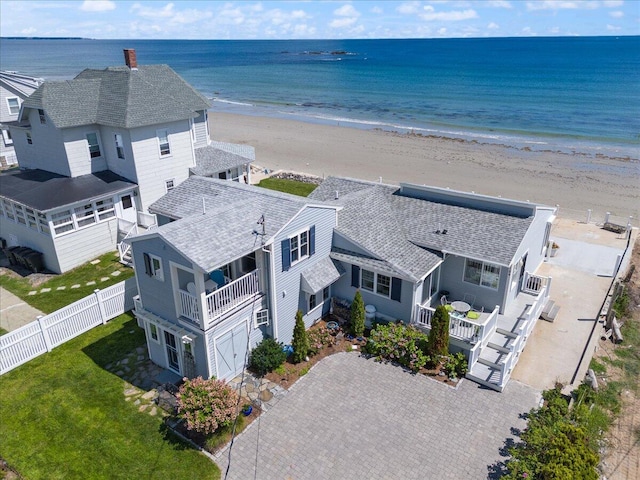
[(128, 208), (172, 352), (231, 350)]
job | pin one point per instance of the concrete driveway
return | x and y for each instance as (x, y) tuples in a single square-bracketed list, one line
[(354, 418), (14, 312)]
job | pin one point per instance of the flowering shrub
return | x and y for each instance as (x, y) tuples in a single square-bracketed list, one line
[(400, 344), (318, 339), (206, 405)]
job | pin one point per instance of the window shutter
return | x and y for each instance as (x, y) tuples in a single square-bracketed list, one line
[(396, 288), (147, 264), (312, 240), (286, 255), (355, 276)]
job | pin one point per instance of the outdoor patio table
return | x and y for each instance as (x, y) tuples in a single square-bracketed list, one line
[(462, 307)]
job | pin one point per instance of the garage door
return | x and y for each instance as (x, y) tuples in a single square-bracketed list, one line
[(231, 349)]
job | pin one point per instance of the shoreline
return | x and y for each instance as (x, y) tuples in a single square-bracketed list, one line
[(575, 182)]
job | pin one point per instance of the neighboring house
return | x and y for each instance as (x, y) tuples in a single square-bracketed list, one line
[(142, 125), (404, 247), (14, 88), (229, 265)]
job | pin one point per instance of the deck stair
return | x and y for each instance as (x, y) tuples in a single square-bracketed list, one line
[(487, 370), (550, 311)]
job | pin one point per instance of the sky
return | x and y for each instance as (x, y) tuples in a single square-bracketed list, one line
[(107, 19)]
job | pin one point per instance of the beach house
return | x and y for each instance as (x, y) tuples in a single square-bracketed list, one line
[(231, 264), (14, 88), (95, 151)]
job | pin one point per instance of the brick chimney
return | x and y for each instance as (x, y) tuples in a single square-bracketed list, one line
[(130, 58)]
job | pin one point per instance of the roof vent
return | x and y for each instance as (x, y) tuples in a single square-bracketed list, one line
[(130, 58), (337, 195)]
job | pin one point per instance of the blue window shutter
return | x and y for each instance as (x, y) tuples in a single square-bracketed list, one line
[(355, 276), (312, 240), (286, 255), (396, 288), (147, 264)]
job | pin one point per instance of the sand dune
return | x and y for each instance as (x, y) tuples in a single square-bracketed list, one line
[(575, 182)]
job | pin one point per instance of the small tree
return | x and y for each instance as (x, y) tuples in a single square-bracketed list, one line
[(438, 343), (357, 315), (206, 405), (300, 342)]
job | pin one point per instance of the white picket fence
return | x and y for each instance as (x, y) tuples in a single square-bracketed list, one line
[(47, 332)]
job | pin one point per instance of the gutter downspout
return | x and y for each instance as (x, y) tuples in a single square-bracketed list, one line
[(272, 290)]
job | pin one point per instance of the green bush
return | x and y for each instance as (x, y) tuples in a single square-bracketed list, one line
[(438, 345), (300, 342), (400, 344), (357, 315), (267, 356), (456, 365)]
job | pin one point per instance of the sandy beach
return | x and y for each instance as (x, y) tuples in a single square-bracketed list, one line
[(575, 182)]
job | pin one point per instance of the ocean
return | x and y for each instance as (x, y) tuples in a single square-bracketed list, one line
[(569, 94)]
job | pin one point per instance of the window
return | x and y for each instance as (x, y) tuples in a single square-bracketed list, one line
[(325, 294), (169, 185), (368, 280), (313, 303), (62, 221), (31, 218), (20, 216), (390, 287), (14, 105), (119, 146), (153, 331), (298, 247), (545, 238), (29, 139), (94, 146), (6, 136), (262, 317), (481, 273), (153, 266), (383, 285), (43, 223), (163, 139), (8, 208), (84, 215), (43, 119), (105, 209), (126, 202)]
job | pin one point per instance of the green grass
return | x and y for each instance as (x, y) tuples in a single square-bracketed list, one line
[(55, 299), (3, 331), (295, 187), (65, 417)]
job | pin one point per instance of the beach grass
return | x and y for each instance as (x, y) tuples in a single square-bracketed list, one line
[(65, 416), (54, 299), (294, 187)]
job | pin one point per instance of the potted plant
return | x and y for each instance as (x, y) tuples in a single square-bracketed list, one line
[(554, 249), (247, 409)]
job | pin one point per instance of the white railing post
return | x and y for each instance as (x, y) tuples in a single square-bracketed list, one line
[(588, 216), (103, 313), (606, 217), (45, 334)]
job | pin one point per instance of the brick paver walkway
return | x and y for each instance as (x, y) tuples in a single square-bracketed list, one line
[(353, 418)]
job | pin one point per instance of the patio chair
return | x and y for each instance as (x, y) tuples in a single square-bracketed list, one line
[(470, 299), (443, 300), (474, 314)]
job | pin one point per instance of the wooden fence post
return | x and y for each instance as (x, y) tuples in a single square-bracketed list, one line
[(45, 334), (103, 314)]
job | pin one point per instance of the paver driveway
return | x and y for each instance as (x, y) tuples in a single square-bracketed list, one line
[(353, 418)]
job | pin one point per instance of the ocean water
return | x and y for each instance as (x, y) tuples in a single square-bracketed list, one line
[(572, 94)]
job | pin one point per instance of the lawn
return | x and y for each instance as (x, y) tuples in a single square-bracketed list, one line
[(295, 187), (65, 417), (55, 299)]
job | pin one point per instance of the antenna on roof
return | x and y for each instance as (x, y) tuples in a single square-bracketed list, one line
[(264, 233)]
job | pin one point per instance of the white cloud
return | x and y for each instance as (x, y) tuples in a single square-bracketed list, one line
[(348, 17), (377, 10), (452, 16), (28, 31), (97, 5), (616, 14), (346, 11), (442, 31), (612, 28), (493, 26), (499, 4), (613, 3), (408, 8), (343, 22), (149, 12), (561, 5)]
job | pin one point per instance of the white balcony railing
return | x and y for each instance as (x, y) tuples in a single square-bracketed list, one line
[(460, 327), (221, 301)]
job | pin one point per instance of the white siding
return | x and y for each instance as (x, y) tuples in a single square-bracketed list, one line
[(47, 151), (153, 170), (28, 237), (77, 148), (124, 167), (78, 247)]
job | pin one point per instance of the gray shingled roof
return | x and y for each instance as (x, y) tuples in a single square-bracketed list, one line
[(45, 191), (211, 160), (228, 229), (401, 230), (17, 82), (365, 261), (119, 97), (241, 149), (321, 274)]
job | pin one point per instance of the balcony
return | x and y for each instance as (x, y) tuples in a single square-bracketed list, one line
[(219, 302)]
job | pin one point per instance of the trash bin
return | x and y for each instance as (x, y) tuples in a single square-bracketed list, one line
[(369, 315), (34, 261)]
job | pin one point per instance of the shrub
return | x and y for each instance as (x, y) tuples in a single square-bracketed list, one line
[(400, 344), (206, 405), (456, 365), (357, 315), (438, 344), (318, 339), (300, 342), (267, 356)]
